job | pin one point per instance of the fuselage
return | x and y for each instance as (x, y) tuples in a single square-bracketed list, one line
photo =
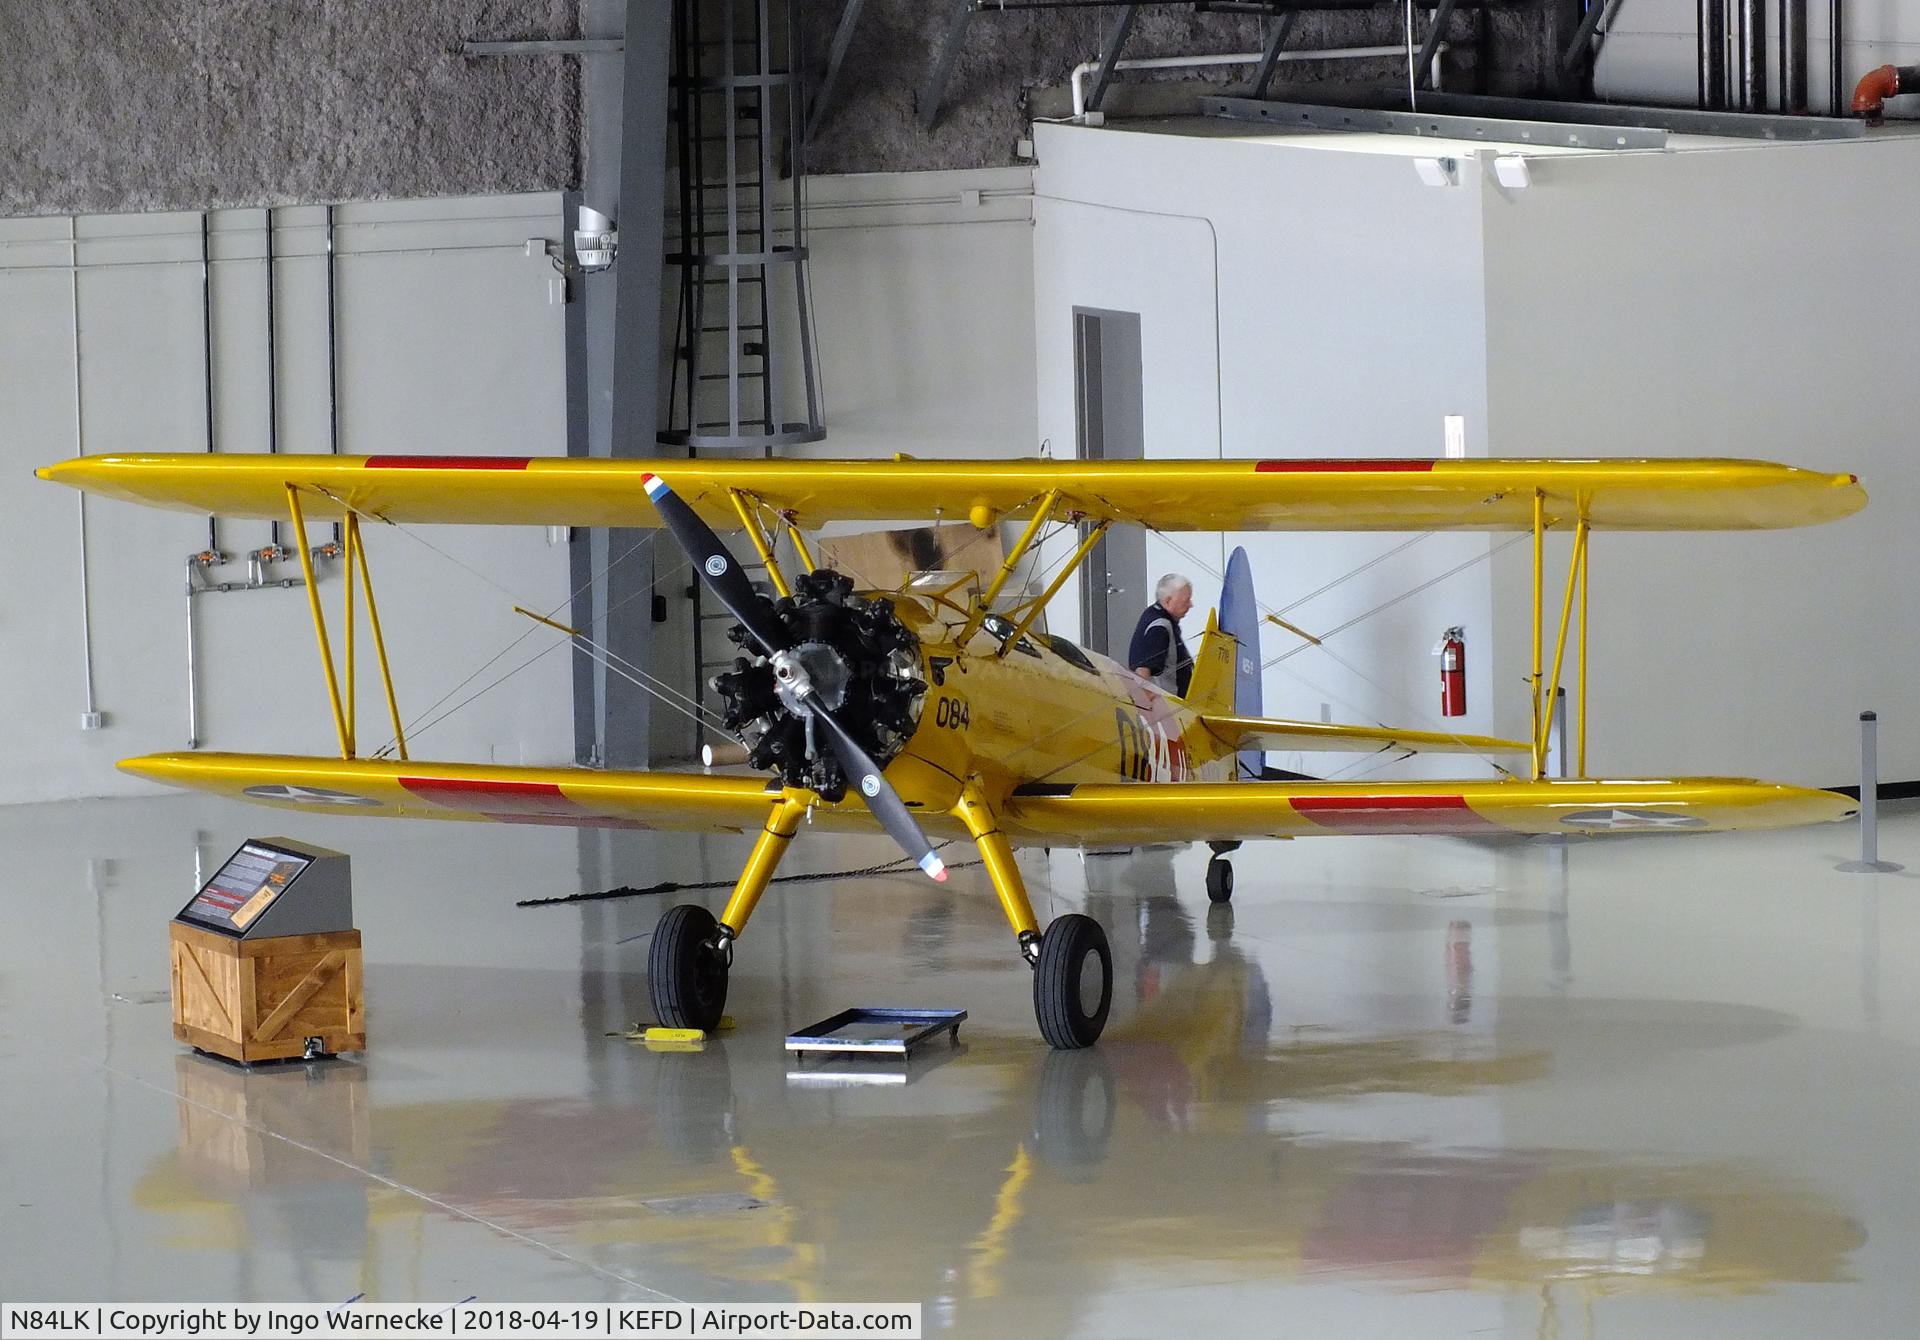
[(1040, 711)]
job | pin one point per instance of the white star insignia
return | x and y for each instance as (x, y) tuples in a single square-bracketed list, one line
[(1619, 820)]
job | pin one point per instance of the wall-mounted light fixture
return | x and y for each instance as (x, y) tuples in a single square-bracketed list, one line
[(1512, 172)]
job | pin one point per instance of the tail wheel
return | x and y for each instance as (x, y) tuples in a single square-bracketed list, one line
[(1073, 982), (1219, 880), (686, 975)]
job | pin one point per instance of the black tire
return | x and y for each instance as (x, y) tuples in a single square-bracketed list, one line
[(1219, 880), (1070, 1005), (686, 976)]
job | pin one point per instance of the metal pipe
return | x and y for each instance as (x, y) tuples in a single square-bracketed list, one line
[(273, 374), (193, 668), (1793, 56), (1753, 56), (1881, 83), (80, 449), (1836, 61), (333, 368), (1713, 54), (206, 341)]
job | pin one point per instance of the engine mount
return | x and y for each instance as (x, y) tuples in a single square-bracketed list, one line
[(864, 665)]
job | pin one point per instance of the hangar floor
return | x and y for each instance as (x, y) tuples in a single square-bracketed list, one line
[(1634, 1087)]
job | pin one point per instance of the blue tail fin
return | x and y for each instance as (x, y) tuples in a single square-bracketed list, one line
[(1240, 619)]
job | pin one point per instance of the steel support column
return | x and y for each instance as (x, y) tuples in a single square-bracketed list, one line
[(934, 91), (1117, 34), (612, 360), (1423, 64), (1277, 34), (836, 57)]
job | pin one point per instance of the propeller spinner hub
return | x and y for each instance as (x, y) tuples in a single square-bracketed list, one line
[(813, 672)]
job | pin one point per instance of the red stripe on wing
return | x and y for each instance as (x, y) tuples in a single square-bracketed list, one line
[(1329, 465), (447, 462), (1394, 814), (539, 800)]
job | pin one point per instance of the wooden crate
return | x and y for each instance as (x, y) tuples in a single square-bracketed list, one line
[(260, 1000)]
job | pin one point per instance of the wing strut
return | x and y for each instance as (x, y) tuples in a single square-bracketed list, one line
[(1545, 689), (1039, 602), (345, 707), (1014, 555)]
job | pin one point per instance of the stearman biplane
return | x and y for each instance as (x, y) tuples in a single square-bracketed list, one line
[(930, 713)]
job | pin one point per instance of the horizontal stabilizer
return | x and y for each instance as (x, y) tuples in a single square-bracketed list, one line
[(1331, 738)]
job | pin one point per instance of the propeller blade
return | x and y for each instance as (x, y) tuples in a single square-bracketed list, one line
[(717, 567), (881, 798)]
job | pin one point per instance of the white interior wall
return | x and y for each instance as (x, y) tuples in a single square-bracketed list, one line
[(923, 299), (1294, 302), (1727, 302), (450, 340)]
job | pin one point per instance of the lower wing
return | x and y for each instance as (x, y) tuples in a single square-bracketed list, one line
[(1097, 813), (567, 797), (1091, 814)]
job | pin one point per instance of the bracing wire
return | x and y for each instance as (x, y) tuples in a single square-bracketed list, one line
[(430, 717)]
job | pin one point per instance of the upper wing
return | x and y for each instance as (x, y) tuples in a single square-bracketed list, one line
[(1185, 811), (1328, 737), (1339, 495)]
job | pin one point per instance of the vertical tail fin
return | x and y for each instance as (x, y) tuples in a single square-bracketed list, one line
[(1226, 667)]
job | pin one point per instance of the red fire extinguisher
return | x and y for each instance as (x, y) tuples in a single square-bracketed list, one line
[(1452, 651)]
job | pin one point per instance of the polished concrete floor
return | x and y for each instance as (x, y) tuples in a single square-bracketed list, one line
[(1403, 1087)]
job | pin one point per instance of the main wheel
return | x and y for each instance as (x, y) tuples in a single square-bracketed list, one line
[(1073, 982), (686, 975), (1219, 880)]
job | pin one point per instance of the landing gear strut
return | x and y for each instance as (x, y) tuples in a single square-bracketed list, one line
[(1072, 968), (691, 952)]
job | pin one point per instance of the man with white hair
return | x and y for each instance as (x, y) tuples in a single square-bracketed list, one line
[(1157, 653)]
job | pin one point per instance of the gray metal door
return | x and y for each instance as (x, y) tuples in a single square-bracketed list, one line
[(1111, 427)]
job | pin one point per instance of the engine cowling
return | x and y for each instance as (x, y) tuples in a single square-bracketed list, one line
[(861, 661)]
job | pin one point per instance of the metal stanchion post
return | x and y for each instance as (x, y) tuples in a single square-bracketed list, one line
[(1869, 802)]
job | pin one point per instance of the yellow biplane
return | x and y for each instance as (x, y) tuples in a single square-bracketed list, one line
[(943, 715)]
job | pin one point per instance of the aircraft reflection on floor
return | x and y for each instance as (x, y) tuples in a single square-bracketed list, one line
[(1186, 1143)]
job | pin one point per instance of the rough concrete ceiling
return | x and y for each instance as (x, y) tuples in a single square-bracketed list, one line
[(110, 105), (874, 127)]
